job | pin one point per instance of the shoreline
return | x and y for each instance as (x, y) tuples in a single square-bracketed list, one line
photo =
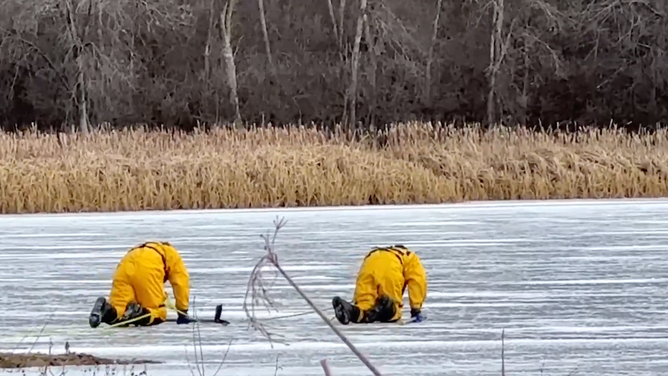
[(20, 361), (301, 168), (466, 205)]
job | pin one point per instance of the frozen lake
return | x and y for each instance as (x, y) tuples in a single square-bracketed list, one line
[(579, 286)]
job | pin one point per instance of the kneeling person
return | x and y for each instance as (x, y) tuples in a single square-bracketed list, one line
[(138, 288), (382, 279)]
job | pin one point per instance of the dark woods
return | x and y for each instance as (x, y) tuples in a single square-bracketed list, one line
[(177, 62)]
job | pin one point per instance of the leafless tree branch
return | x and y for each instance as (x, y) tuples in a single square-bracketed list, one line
[(325, 368), (259, 294), (197, 348)]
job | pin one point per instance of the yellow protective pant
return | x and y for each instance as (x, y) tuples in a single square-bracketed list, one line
[(381, 274), (139, 278), (388, 271)]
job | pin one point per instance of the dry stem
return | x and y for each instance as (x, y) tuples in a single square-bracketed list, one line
[(411, 163), (325, 367), (260, 294), (197, 346), (503, 354)]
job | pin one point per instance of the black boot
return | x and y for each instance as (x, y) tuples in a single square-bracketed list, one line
[(344, 311), (383, 311), (132, 312), (102, 312)]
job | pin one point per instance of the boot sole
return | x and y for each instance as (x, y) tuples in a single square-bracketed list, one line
[(96, 313), (340, 312)]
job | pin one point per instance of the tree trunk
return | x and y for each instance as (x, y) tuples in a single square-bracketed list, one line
[(495, 58), (265, 35), (330, 8), (352, 91), (83, 102), (230, 66), (430, 55), (342, 8)]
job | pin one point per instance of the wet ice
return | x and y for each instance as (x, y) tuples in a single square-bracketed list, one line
[(577, 285)]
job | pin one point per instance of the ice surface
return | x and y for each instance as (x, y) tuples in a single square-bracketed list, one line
[(579, 286)]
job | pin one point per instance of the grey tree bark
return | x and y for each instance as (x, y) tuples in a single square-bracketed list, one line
[(430, 55), (230, 66), (352, 90)]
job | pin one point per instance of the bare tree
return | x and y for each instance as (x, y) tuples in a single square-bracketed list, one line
[(430, 56), (88, 62), (230, 66), (209, 43), (370, 41), (78, 42), (92, 53), (496, 55), (265, 36), (342, 10), (352, 90), (335, 29)]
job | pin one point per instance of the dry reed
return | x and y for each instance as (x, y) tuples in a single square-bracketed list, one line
[(409, 163)]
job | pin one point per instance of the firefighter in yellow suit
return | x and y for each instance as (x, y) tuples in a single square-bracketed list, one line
[(138, 288), (382, 279)]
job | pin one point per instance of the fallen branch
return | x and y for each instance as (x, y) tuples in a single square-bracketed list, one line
[(258, 292), (325, 367)]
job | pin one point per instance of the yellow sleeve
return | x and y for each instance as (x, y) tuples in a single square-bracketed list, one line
[(178, 277), (416, 279)]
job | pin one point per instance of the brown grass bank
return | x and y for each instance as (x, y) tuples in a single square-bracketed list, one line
[(18, 361), (411, 163)]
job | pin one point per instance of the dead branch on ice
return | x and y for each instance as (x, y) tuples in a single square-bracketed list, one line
[(197, 346), (257, 292), (325, 367)]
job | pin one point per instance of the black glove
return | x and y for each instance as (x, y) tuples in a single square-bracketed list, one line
[(184, 318)]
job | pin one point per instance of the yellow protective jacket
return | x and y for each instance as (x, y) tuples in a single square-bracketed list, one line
[(388, 271), (141, 274)]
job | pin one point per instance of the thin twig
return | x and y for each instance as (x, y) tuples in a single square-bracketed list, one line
[(222, 361), (46, 322), (503, 356), (256, 276), (325, 367), (277, 367), (289, 316), (197, 340)]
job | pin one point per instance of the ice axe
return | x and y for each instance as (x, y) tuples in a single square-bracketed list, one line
[(216, 317)]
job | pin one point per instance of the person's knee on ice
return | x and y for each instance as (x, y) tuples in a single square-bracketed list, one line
[(383, 311), (144, 316), (136, 315)]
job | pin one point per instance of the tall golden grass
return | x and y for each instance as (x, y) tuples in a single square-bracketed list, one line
[(269, 167)]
